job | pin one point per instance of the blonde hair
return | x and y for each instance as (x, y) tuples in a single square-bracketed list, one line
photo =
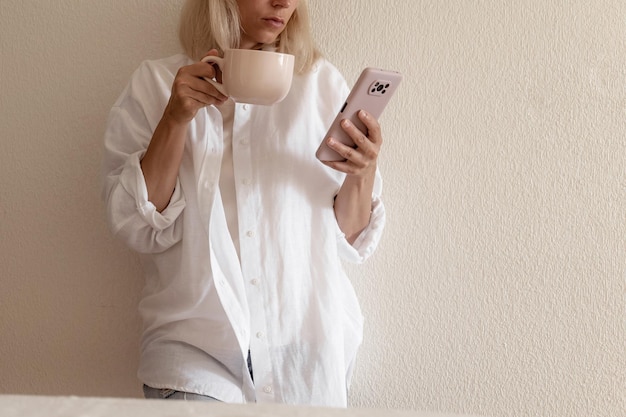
[(214, 24)]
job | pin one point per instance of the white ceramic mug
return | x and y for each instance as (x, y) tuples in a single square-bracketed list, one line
[(255, 77)]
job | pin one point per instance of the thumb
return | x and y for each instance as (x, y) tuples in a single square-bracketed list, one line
[(212, 52)]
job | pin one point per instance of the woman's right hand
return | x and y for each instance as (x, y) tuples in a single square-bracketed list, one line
[(191, 92), (161, 162)]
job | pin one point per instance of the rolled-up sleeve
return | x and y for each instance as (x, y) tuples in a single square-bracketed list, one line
[(131, 216), (367, 241), (134, 219)]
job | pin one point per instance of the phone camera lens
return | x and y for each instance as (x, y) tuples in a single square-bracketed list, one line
[(380, 87)]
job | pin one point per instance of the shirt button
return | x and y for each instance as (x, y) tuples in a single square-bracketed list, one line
[(254, 282), (250, 233), (247, 181), (245, 142), (267, 389), (259, 335), (245, 107)]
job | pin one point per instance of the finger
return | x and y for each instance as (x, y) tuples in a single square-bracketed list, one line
[(200, 70), (195, 94), (197, 79), (362, 142), (186, 84), (213, 97), (350, 154), (203, 86), (216, 68), (338, 165), (342, 166), (372, 125), (212, 52)]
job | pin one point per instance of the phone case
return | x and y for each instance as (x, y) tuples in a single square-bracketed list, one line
[(371, 93)]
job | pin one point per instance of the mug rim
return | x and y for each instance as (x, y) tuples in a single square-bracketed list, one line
[(257, 50)]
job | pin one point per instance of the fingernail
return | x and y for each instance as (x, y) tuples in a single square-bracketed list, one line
[(363, 114)]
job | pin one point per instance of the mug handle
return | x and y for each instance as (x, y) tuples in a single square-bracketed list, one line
[(220, 62)]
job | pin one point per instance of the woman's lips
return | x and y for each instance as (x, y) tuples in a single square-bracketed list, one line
[(275, 21)]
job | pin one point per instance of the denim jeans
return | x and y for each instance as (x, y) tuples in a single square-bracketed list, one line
[(170, 394)]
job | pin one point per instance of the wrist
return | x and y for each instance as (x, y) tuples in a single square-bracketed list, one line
[(172, 122), (175, 117), (363, 177)]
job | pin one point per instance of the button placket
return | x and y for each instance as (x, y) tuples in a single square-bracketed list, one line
[(248, 204)]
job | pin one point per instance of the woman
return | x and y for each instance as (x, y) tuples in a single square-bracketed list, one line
[(241, 230)]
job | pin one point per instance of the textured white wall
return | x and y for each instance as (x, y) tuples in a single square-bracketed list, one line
[(499, 288)]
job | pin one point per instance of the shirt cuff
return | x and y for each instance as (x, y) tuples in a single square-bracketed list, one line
[(134, 183), (364, 245)]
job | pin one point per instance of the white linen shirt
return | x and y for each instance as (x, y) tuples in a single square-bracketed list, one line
[(288, 301)]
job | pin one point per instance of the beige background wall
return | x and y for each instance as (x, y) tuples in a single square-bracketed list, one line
[(499, 288)]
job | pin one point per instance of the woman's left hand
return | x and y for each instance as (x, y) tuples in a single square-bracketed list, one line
[(361, 160), (353, 202)]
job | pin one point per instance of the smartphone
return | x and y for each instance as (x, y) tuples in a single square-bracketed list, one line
[(371, 93)]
